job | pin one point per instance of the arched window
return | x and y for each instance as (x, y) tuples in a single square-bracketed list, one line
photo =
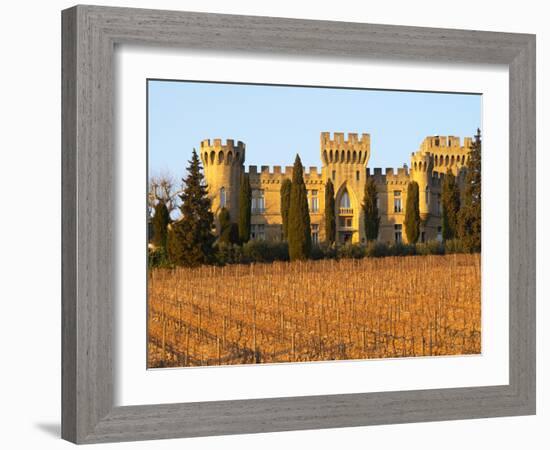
[(344, 200), (222, 198)]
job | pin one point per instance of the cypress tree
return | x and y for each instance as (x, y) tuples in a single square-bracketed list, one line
[(191, 237), (450, 202), (330, 213), (225, 227), (469, 216), (412, 213), (285, 205), (160, 222), (245, 205), (370, 210), (299, 227)]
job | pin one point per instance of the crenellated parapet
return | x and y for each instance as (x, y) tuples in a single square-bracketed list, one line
[(266, 175), (339, 150), (389, 175), (216, 152), (447, 152)]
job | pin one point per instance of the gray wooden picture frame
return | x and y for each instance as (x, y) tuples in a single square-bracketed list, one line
[(90, 34)]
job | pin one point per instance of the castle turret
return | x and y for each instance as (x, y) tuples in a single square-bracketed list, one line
[(223, 166), (345, 162), (421, 172), (447, 152)]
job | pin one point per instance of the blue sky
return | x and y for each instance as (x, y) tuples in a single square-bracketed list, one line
[(276, 122)]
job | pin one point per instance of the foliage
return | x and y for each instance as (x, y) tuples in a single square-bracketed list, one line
[(229, 232), (433, 247), (286, 187), (450, 202), (454, 246), (160, 222), (157, 257), (191, 243), (376, 249), (299, 227), (349, 250), (245, 205), (264, 251), (330, 213), (370, 210), (252, 252), (469, 217), (412, 213)]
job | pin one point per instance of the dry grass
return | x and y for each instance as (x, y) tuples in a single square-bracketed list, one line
[(315, 311)]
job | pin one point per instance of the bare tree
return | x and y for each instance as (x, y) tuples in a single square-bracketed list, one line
[(162, 188)]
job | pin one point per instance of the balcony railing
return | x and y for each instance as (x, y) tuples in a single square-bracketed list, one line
[(346, 211)]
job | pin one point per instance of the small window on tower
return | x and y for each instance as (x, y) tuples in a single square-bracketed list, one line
[(333, 175), (358, 175)]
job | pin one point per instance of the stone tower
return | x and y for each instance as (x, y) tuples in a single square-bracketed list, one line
[(223, 167), (421, 172), (345, 162)]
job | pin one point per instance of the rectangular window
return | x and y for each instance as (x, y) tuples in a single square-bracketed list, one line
[(358, 175), (398, 228), (397, 201), (313, 200), (439, 205), (257, 232), (423, 236), (258, 203), (333, 175), (315, 233), (439, 234)]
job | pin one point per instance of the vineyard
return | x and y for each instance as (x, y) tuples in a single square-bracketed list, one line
[(315, 311)]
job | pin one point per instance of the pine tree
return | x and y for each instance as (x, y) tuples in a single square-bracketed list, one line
[(286, 187), (469, 216), (245, 205), (450, 203), (299, 227), (370, 210), (330, 213), (412, 213), (160, 222), (192, 238)]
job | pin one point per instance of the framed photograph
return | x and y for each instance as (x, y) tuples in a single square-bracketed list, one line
[(289, 224)]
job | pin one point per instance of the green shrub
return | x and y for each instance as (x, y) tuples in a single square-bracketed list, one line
[(157, 257), (454, 246), (400, 249), (349, 250), (377, 249), (264, 251), (430, 248), (323, 250), (227, 253)]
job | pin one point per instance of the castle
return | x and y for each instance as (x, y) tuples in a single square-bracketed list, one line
[(345, 163)]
